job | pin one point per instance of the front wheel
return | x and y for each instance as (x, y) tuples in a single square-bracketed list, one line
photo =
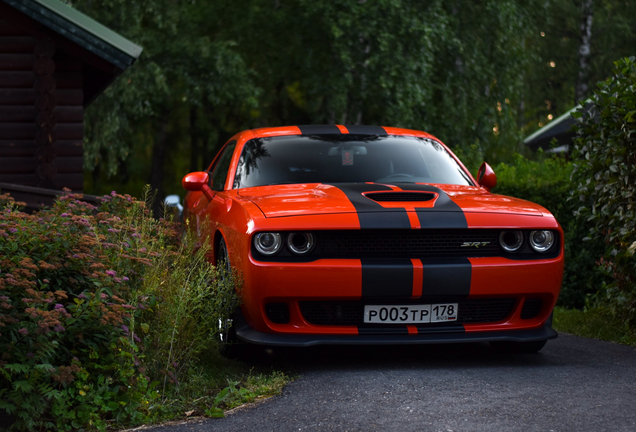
[(229, 344), (518, 347)]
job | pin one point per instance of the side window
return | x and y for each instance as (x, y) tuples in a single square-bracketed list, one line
[(219, 172)]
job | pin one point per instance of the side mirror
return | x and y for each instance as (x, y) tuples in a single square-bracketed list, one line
[(198, 182), (486, 177)]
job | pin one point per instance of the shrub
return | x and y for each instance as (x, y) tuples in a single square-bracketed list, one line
[(605, 182), (546, 181), (103, 312)]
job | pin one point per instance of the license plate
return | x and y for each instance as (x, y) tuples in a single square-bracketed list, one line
[(410, 314)]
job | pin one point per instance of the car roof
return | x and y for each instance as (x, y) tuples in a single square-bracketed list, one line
[(336, 130)]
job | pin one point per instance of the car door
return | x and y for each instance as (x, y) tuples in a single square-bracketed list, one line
[(215, 208)]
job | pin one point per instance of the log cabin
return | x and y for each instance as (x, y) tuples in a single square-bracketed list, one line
[(54, 61)]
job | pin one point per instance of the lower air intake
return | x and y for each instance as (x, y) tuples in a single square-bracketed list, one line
[(531, 308), (278, 313)]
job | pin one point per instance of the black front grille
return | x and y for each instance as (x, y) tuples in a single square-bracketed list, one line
[(349, 313), (408, 243), (400, 196), (531, 308)]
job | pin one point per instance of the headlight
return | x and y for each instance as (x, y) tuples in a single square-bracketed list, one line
[(267, 243), (511, 241), (541, 241), (300, 243)]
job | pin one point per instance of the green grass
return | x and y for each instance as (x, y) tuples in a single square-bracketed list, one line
[(217, 386), (595, 323)]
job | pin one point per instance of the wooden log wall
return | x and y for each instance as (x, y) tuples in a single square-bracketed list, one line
[(41, 112)]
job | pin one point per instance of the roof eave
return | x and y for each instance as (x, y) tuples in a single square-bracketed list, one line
[(80, 29)]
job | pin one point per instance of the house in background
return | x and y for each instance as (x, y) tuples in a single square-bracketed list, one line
[(54, 61), (560, 129)]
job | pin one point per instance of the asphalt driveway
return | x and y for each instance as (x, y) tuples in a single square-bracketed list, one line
[(573, 384)]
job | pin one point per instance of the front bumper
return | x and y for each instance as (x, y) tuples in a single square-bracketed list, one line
[(324, 281), (436, 336)]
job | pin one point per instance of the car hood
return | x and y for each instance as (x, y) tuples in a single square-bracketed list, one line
[(318, 198)]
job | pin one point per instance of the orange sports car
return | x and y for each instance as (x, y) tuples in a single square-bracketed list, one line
[(374, 235)]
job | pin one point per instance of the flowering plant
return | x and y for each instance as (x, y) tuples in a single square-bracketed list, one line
[(84, 295)]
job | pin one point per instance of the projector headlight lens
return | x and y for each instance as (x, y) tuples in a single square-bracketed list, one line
[(300, 243), (541, 240), (268, 243), (511, 241)]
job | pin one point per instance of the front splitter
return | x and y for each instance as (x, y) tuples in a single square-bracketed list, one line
[(247, 334)]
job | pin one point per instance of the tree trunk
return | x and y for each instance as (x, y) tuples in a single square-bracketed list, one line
[(584, 50), (156, 173), (195, 148)]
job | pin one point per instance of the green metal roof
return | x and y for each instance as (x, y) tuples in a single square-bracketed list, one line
[(565, 120), (81, 29)]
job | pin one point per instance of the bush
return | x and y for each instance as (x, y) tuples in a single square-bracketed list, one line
[(103, 312), (546, 181), (605, 182)]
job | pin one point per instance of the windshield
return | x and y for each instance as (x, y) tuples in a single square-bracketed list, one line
[(346, 159)]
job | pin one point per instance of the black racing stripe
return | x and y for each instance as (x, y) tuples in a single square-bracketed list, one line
[(387, 278), (445, 214), (319, 130), (388, 220), (447, 278), (440, 220), (366, 130), (454, 328), (399, 329), (371, 214)]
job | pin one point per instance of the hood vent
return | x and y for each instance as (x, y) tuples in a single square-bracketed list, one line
[(400, 196)]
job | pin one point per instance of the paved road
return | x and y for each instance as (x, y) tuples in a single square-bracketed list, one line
[(573, 384)]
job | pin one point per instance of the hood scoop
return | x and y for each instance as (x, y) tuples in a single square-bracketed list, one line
[(400, 196)]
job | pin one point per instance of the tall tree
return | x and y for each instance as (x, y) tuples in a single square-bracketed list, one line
[(183, 68), (587, 13)]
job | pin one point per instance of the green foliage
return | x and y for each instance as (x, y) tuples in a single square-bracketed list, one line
[(210, 69), (594, 322), (186, 88), (103, 312), (551, 77), (605, 182), (451, 70), (546, 181)]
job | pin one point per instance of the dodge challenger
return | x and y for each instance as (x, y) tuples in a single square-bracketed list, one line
[(373, 235)]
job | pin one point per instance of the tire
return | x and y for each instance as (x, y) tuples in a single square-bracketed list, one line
[(518, 347), (223, 257), (229, 344)]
